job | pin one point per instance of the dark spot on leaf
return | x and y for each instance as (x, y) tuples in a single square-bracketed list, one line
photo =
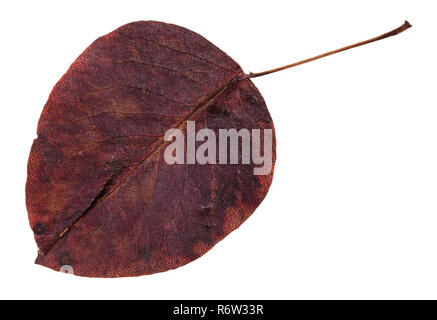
[(144, 253), (252, 99), (39, 228), (65, 259), (218, 111)]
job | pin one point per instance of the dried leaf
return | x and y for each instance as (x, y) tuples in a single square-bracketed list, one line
[(100, 196)]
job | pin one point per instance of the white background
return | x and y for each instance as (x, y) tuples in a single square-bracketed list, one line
[(352, 212)]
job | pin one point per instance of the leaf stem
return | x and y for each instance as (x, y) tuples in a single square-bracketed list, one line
[(394, 32)]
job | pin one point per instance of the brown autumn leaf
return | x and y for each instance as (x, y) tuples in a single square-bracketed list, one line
[(101, 199), (100, 196)]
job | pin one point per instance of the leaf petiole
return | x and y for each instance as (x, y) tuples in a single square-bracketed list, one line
[(394, 32)]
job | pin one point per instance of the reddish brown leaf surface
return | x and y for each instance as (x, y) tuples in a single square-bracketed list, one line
[(99, 194)]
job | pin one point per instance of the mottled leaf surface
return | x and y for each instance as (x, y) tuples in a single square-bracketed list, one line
[(99, 194)]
